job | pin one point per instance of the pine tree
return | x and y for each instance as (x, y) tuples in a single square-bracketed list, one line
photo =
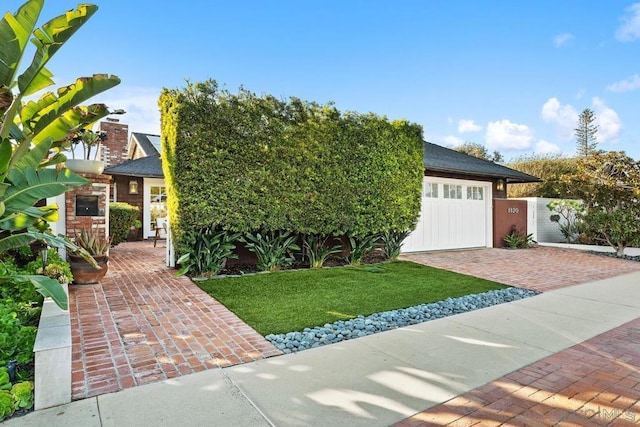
[(586, 131)]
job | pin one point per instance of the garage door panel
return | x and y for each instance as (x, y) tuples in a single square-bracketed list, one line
[(450, 223)]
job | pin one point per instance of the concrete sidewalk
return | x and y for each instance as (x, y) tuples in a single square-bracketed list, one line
[(372, 381)]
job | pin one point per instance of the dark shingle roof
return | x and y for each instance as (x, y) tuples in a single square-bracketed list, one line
[(147, 167), (441, 159), (145, 143)]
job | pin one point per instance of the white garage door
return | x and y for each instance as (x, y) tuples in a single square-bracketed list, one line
[(455, 214)]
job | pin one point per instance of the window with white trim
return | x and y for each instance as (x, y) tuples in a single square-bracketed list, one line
[(452, 191), (431, 190), (475, 193)]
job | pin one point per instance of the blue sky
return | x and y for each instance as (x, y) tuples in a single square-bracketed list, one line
[(512, 75)]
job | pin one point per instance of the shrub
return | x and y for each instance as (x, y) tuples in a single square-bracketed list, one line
[(571, 211), (273, 249), (360, 247), (122, 216), (551, 168), (22, 393), (391, 241), (317, 250), (250, 162), (519, 239), (16, 339), (210, 249), (7, 406)]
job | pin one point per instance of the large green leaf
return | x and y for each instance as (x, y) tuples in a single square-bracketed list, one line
[(6, 150), (46, 286), (48, 40), (37, 116), (72, 121), (34, 156), (30, 185), (14, 34), (29, 217)]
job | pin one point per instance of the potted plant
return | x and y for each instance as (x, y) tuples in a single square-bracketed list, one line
[(98, 247), (133, 231), (89, 162)]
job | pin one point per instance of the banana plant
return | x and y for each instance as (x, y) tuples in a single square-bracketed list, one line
[(33, 133)]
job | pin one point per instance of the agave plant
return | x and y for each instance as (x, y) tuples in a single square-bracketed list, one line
[(273, 249), (317, 250), (31, 130), (93, 242), (391, 242), (361, 246)]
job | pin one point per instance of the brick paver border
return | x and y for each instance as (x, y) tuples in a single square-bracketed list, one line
[(594, 383), (142, 325)]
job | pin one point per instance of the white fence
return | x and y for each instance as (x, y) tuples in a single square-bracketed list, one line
[(539, 222)]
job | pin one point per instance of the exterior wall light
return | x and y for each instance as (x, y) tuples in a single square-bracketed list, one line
[(500, 185), (133, 187)]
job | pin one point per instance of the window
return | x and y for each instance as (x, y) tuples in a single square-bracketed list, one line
[(475, 193), (452, 191), (113, 196), (158, 208), (431, 190)]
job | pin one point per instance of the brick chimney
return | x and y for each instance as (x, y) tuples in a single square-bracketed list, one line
[(114, 147)]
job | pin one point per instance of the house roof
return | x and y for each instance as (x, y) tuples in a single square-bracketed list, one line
[(146, 167), (440, 159), (148, 143)]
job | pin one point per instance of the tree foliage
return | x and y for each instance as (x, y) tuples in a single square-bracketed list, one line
[(609, 185), (256, 163), (480, 151), (31, 130), (551, 168), (586, 130)]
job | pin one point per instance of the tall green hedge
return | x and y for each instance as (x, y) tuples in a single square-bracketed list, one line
[(122, 216), (247, 162)]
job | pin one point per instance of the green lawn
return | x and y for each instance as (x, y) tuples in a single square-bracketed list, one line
[(287, 301)]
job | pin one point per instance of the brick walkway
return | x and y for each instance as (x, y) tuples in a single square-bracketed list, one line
[(595, 383), (142, 325), (542, 268)]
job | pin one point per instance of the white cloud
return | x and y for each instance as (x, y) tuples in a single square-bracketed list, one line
[(450, 120), (629, 30), (452, 141), (545, 147), (564, 117), (563, 39), (608, 121), (505, 135), (140, 104), (468, 126), (580, 93), (627, 85)]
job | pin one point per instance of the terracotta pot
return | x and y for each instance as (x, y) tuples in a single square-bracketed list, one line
[(84, 273)]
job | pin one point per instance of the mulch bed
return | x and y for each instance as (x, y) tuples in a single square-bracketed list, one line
[(239, 269)]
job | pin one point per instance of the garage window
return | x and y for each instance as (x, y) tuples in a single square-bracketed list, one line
[(431, 190), (475, 193), (452, 191)]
